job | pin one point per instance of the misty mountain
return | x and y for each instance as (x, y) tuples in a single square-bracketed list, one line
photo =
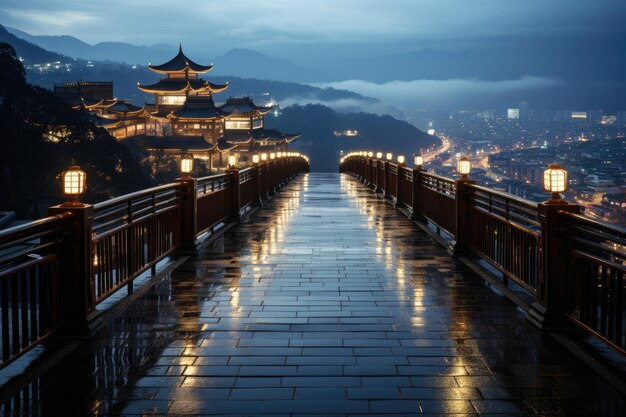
[(246, 63), (29, 52), (317, 125), (103, 51)]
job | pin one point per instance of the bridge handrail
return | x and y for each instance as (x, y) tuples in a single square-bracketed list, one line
[(29, 284), (572, 265), (100, 249)]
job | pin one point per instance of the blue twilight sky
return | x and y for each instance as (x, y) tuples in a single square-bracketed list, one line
[(274, 25), (495, 52)]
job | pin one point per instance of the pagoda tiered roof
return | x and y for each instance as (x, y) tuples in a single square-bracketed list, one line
[(180, 63), (243, 107), (179, 85)]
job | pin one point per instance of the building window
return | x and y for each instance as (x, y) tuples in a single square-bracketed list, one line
[(196, 125), (237, 124), (257, 123), (172, 100)]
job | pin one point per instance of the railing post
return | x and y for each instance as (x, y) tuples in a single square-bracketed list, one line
[(259, 174), (377, 187), (234, 194), (399, 180), (76, 295), (386, 180), (416, 212), (188, 212), (462, 220), (554, 255)]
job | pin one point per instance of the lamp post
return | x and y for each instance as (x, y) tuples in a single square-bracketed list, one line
[(75, 255), (416, 212), (462, 207), (549, 310)]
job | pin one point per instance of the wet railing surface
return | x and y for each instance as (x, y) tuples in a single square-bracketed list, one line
[(130, 234), (596, 298), (327, 302), (29, 285), (57, 270), (572, 265)]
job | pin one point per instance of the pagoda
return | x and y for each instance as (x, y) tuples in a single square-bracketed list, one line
[(245, 128), (184, 101)]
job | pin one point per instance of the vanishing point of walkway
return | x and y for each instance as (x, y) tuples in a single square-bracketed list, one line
[(326, 303)]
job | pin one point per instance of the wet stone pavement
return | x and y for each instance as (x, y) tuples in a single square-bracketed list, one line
[(328, 302)]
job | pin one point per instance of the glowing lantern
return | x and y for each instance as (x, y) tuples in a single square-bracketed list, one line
[(555, 181), (186, 165), (464, 166), (74, 180)]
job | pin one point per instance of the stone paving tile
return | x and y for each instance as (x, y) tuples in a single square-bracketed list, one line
[(327, 302)]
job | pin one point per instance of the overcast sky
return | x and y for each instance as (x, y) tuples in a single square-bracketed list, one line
[(218, 25)]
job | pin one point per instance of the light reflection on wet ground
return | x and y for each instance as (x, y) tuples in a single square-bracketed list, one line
[(327, 301)]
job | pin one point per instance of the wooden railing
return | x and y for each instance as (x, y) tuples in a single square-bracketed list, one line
[(505, 231), (436, 200), (54, 272), (573, 266), (596, 296), (130, 234), (212, 200), (29, 284)]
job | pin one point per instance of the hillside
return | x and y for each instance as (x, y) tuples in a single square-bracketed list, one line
[(34, 154), (318, 123), (29, 52)]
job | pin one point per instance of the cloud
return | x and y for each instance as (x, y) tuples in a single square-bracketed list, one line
[(262, 22), (439, 93)]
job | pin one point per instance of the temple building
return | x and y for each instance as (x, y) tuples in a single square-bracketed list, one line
[(184, 118)]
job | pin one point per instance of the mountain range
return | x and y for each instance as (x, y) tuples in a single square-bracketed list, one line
[(573, 73)]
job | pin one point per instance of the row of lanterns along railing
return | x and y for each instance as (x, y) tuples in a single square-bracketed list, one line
[(55, 271), (572, 265)]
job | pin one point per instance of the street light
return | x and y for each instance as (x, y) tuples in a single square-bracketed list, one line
[(186, 166), (370, 154), (263, 157), (272, 155), (389, 156), (379, 155), (255, 159), (74, 180), (555, 181), (401, 159), (418, 161), (464, 166)]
